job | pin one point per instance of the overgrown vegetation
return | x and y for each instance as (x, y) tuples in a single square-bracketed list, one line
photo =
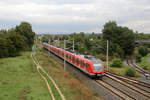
[(143, 50), (144, 63), (116, 63), (19, 79), (138, 58), (15, 40), (130, 72)]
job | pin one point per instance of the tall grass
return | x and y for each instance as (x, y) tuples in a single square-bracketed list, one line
[(19, 80)]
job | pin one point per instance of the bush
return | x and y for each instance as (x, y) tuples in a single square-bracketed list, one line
[(116, 63), (130, 72), (145, 68), (138, 58), (143, 50)]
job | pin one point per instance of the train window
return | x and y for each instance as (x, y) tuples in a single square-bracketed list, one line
[(67, 56), (56, 50), (75, 59), (71, 57), (85, 64), (79, 62), (60, 53)]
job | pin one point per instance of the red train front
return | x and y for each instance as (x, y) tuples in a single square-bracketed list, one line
[(88, 64)]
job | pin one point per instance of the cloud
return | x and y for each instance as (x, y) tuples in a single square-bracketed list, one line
[(75, 15)]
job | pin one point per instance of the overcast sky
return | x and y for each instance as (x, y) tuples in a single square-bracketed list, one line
[(75, 15)]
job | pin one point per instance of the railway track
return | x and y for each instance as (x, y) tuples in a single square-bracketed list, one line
[(135, 89), (119, 93), (130, 80), (124, 88), (137, 68)]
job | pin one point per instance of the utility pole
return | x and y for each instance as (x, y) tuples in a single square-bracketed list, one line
[(73, 44), (49, 47), (58, 42), (107, 55), (64, 55)]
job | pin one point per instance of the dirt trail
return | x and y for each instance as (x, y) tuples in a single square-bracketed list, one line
[(50, 78)]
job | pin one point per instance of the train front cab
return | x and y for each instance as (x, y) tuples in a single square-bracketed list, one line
[(97, 70)]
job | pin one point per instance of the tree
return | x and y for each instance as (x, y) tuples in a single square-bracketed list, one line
[(18, 40), (121, 39), (25, 29), (13, 41), (7, 48), (143, 50)]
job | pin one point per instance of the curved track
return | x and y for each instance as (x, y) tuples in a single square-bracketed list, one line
[(129, 80), (137, 68)]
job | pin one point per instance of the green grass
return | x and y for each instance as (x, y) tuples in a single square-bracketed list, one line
[(54, 90), (145, 63), (19, 80), (116, 70)]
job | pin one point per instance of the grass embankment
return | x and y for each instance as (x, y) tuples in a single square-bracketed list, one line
[(19, 79), (72, 87), (144, 63)]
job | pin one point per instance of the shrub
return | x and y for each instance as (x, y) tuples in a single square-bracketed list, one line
[(116, 63), (143, 50), (145, 67), (138, 58), (130, 72)]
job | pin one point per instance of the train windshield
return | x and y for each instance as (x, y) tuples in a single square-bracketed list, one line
[(98, 67)]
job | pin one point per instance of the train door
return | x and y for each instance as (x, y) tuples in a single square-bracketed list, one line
[(85, 65)]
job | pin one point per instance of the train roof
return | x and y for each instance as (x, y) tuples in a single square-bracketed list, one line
[(89, 57), (93, 59)]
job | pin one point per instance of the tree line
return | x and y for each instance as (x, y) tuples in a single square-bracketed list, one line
[(121, 41), (15, 40)]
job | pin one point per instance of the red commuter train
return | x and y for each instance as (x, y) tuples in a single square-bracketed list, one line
[(88, 64)]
